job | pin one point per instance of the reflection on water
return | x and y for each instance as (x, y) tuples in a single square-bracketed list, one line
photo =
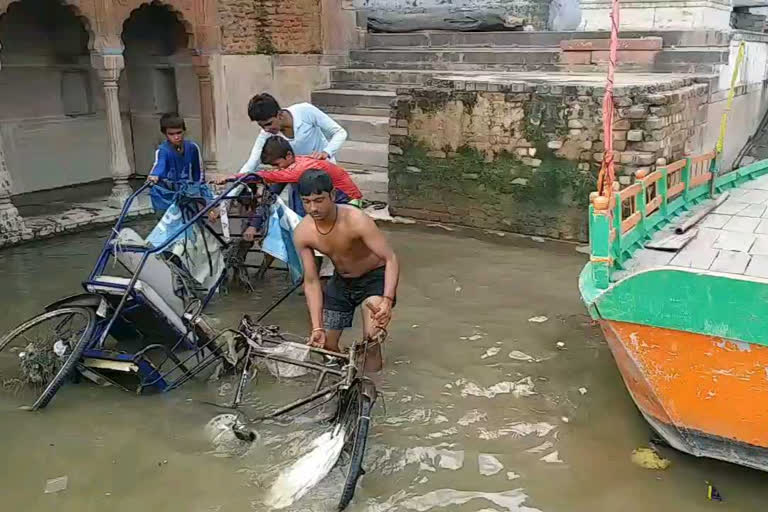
[(481, 409)]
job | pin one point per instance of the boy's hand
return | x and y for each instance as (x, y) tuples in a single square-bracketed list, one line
[(317, 338), (320, 155), (382, 313), (249, 234), (153, 179)]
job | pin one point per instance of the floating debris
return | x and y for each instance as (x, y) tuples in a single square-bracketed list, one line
[(552, 458), (517, 430), (712, 493), (538, 319), (511, 475), (523, 387), (565, 419), (546, 445), (560, 345), (442, 498), (490, 352), (415, 326), (647, 458), (56, 484), (475, 337), (538, 239), (472, 416), (296, 480), (583, 391), (441, 226), (488, 464), (521, 356)]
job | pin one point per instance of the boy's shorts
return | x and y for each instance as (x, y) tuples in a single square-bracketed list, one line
[(344, 294)]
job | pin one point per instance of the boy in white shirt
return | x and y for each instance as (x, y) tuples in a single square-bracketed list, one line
[(310, 131)]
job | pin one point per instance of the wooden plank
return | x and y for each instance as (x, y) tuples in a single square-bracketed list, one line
[(630, 191), (700, 179), (630, 222), (653, 205), (673, 241), (703, 212)]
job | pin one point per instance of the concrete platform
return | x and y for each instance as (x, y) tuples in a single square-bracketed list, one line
[(732, 239), (73, 217)]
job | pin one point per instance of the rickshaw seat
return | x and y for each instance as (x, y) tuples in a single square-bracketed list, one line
[(112, 285)]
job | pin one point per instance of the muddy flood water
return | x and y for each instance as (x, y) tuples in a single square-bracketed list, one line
[(445, 437)]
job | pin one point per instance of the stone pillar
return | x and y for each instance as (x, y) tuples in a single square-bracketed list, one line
[(109, 67), (12, 226), (658, 14), (207, 113)]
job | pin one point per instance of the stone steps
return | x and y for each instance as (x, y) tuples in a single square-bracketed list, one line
[(700, 60), (365, 156), (365, 128), (350, 97), (438, 39), (373, 184)]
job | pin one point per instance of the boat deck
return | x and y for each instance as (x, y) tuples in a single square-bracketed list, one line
[(731, 239)]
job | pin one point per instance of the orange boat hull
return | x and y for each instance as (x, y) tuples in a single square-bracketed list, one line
[(704, 395)]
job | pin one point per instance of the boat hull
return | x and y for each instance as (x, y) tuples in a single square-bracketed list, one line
[(703, 395)]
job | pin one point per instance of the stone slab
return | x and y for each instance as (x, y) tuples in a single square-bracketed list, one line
[(732, 206), (730, 262), (741, 224), (758, 267), (715, 220), (734, 241), (762, 228), (760, 246), (695, 257), (753, 210)]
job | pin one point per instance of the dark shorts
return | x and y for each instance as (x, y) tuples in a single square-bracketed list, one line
[(344, 294)]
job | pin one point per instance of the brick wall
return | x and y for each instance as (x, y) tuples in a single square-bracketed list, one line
[(270, 26), (523, 157)]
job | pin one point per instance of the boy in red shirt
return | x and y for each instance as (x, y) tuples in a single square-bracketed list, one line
[(278, 152)]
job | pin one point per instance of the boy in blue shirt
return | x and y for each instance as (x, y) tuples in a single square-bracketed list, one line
[(177, 162)]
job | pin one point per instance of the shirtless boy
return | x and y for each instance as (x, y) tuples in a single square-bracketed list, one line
[(367, 270)]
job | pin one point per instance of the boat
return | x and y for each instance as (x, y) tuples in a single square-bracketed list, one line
[(678, 281)]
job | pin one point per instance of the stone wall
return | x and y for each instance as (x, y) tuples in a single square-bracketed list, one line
[(535, 11), (523, 157), (270, 26)]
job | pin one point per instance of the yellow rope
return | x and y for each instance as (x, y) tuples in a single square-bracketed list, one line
[(731, 94)]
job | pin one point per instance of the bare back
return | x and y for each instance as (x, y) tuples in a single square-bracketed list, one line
[(344, 243)]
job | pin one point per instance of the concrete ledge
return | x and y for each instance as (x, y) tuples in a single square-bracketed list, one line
[(79, 217), (647, 43)]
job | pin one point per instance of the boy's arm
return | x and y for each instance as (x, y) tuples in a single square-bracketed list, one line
[(159, 167), (197, 164), (312, 288), (254, 160), (375, 240), (335, 134)]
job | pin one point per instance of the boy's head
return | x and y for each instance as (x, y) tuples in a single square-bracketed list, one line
[(264, 110), (278, 152), (173, 127), (317, 193)]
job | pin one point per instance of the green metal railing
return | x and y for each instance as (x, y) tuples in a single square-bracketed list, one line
[(624, 223)]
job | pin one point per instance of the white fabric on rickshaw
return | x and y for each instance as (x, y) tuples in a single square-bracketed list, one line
[(119, 284), (155, 272)]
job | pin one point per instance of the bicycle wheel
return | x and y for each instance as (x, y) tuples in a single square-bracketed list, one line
[(355, 416), (37, 357)]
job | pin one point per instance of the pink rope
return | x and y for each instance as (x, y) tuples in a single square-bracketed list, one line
[(607, 170)]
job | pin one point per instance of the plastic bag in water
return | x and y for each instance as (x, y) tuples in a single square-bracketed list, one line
[(288, 351)]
